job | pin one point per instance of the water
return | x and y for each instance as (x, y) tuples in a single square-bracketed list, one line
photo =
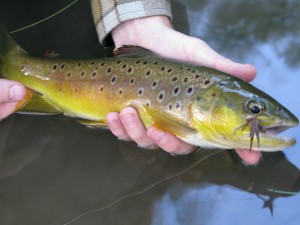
[(53, 169)]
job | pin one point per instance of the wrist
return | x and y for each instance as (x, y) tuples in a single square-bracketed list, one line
[(137, 31)]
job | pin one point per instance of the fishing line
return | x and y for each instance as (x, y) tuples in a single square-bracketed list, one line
[(45, 19), (283, 192), (151, 186)]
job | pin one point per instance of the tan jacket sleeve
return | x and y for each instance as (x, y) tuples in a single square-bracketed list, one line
[(110, 13)]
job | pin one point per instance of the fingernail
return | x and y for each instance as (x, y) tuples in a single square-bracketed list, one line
[(16, 93), (128, 120)]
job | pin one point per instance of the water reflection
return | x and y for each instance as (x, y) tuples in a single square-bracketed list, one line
[(53, 169), (245, 25), (74, 176)]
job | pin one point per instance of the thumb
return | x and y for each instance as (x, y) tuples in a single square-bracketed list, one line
[(11, 91)]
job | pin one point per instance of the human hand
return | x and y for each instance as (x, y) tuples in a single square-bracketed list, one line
[(156, 34), (10, 93)]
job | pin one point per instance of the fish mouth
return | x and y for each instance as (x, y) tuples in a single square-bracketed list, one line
[(265, 137), (270, 140), (277, 129)]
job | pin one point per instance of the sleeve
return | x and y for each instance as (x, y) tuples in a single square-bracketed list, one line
[(110, 13)]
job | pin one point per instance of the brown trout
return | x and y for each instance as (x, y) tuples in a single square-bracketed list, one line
[(202, 106)]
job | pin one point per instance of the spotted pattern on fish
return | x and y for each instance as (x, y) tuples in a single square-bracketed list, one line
[(149, 81)]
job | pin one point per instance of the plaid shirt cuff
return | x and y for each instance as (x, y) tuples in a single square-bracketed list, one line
[(110, 13)]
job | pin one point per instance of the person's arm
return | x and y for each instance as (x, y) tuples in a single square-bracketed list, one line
[(10, 93), (149, 31)]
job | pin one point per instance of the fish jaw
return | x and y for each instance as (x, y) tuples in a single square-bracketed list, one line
[(209, 137)]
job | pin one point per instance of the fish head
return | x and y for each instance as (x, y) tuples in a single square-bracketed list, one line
[(234, 114)]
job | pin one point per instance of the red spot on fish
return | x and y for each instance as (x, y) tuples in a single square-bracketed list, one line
[(50, 53)]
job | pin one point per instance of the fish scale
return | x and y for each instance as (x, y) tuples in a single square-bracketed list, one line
[(202, 106)]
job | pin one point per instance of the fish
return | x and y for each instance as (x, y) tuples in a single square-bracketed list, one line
[(200, 105)]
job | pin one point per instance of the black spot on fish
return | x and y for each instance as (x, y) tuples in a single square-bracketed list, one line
[(197, 76), (124, 66), (198, 98), (148, 104), (102, 64), (279, 110), (79, 64), (163, 68), (132, 81), (129, 70), (145, 63), (92, 63), (148, 73), (94, 74), (120, 92), (170, 106), (118, 62), (141, 91), (82, 74), (178, 105), (161, 96), (169, 70), (174, 79), (62, 66), (113, 80), (108, 70), (155, 63), (137, 62), (54, 67), (176, 90), (154, 84), (190, 90), (185, 79), (76, 90), (101, 88), (193, 71), (22, 67), (189, 69), (207, 82), (230, 105), (214, 94), (69, 74)]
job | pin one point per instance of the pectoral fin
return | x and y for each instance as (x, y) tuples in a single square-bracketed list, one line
[(35, 103), (165, 122), (162, 121)]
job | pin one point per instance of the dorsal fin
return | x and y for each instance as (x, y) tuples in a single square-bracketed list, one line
[(133, 51)]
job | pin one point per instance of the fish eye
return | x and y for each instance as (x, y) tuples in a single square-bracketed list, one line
[(255, 107)]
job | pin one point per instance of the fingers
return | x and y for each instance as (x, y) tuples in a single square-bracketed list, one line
[(116, 127), (249, 157), (194, 50), (10, 93), (169, 142), (127, 125), (200, 53)]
